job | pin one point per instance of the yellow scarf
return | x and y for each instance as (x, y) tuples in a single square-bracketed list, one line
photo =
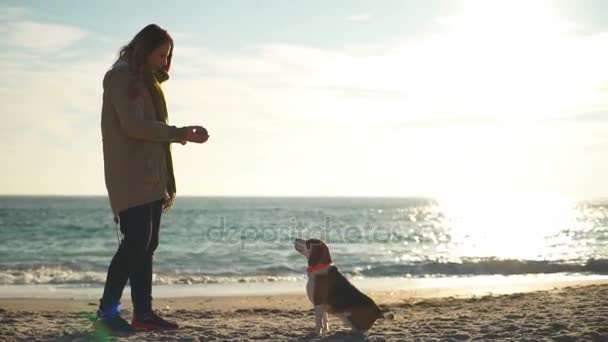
[(152, 80)]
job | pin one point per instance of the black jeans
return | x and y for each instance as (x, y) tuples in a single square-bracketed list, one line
[(133, 260)]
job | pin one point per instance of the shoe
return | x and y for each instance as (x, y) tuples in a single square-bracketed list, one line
[(112, 323), (151, 321)]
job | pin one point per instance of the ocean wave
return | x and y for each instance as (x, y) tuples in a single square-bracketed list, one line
[(61, 275), (57, 275), (483, 267)]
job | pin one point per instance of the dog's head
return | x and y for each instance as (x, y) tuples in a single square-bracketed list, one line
[(315, 250)]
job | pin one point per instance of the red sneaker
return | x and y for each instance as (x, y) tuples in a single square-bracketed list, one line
[(151, 321)]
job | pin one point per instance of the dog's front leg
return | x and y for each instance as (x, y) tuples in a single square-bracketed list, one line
[(325, 328), (319, 313)]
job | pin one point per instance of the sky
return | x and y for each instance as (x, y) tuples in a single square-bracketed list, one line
[(322, 98)]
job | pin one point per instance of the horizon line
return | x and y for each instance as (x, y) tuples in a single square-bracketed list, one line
[(408, 197), (227, 196)]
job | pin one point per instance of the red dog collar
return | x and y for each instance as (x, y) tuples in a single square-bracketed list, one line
[(318, 267)]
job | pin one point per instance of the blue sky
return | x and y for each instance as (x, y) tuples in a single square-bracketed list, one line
[(322, 98), (233, 24)]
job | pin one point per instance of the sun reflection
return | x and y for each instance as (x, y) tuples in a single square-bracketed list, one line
[(507, 226)]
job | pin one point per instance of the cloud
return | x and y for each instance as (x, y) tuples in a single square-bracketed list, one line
[(9, 13), (40, 36), (592, 117), (358, 17), (446, 77)]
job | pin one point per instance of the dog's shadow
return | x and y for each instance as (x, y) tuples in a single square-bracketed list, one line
[(343, 335)]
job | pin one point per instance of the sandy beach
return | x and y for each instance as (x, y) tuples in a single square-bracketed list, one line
[(561, 313)]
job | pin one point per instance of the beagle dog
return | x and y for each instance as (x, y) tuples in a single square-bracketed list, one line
[(330, 292)]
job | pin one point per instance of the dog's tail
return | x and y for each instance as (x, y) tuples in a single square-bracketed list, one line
[(386, 314)]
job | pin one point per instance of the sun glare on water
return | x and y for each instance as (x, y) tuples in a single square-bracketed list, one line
[(507, 226)]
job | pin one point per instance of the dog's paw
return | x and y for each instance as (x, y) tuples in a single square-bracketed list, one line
[(317, 332)]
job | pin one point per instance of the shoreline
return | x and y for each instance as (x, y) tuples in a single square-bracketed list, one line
[(464, 286)]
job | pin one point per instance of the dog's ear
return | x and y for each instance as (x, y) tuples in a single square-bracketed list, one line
[(318, 252), (314, 254), (311, 242)]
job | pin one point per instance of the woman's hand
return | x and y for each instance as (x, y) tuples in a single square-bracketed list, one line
[(196, 134)]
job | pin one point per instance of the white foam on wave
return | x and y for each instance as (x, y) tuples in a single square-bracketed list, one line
[(58, 275), (50, 275)]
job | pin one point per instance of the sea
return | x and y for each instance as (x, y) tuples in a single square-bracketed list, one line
[(59, 244)]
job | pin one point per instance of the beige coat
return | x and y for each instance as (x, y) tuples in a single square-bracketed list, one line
[(134, 158)]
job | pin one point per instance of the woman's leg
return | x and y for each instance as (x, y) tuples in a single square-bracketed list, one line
[(141, 283), (141, 276), (136, 225)]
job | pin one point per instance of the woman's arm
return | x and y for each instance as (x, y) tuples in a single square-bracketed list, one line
[(131, 115)]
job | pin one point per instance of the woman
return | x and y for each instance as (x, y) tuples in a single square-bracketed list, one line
[(138, 171)]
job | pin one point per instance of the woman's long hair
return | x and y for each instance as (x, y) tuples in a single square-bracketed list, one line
[(135, 54), (144, 42)]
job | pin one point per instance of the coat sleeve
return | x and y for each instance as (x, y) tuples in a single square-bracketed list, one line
[(130, 112)]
